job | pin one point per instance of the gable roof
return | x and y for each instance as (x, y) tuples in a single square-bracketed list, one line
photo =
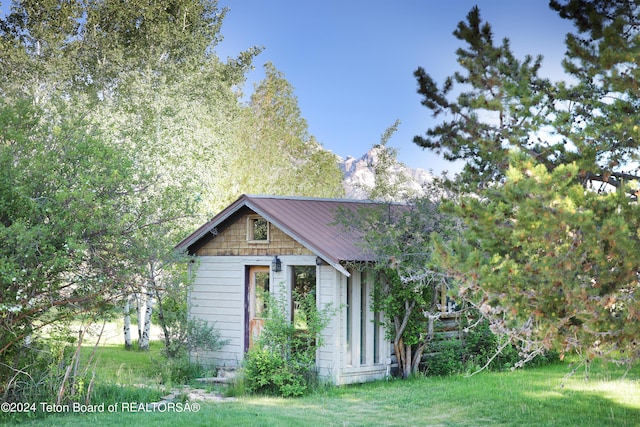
[(309, 221)]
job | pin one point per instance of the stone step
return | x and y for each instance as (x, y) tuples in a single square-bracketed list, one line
[(225, 375)]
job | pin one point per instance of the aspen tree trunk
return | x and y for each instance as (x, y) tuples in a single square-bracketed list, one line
[(163, 324), (127, 323), (144, 338), (139, 312), (148, 310)]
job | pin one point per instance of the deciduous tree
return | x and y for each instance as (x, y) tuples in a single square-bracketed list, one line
[(275, 143), (409, 285), (68, 219), (139, 81)]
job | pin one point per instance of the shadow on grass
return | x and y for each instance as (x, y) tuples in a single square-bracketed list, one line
[(533, 397)]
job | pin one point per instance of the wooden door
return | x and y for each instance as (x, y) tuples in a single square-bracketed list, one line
[(258, 286)]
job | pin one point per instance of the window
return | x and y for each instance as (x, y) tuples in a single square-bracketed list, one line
[(364, 334), (257, 229), (261, 283), (303, 286)]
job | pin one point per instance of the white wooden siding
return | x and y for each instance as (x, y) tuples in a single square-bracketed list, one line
[(327, 359), (217, 296)]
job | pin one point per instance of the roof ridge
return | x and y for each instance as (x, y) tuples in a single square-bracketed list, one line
[(319, 199)]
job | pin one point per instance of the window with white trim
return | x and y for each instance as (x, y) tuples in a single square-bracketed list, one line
[(364, 335), (303, 285)]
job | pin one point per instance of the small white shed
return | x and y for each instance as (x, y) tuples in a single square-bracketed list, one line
[(280, 244)]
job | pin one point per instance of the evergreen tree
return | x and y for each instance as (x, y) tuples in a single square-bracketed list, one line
[(549, 254)]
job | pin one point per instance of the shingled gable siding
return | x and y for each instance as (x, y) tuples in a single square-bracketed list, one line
[(233, 241)]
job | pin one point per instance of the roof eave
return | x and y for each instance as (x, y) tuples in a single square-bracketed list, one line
[(246, 201), (194, 238)]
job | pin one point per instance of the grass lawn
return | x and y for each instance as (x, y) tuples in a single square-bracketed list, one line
[(116, 365), (532, 397)]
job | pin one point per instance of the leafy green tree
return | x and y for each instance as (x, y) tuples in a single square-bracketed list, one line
[(275, 143), (145, 77), (408, 284), (37, 50), (548, 253), (69, 216), (145, 72)]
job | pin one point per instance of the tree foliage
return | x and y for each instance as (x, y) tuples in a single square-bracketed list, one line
[(409, 285), (145, 73), (121, 131), (275, 143), (553, 265), (551, 229), (68, 221), (90, 177), (389, 179), (400, 236)]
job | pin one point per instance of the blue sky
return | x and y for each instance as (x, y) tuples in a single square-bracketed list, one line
[(351, 63)]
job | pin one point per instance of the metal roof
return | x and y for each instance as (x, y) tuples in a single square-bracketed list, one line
[(309, 221)]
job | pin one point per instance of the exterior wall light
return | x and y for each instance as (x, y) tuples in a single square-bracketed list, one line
[(276, 264)]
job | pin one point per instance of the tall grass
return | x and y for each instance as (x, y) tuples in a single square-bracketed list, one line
[(106, 374), (540, 396), (116, 365)]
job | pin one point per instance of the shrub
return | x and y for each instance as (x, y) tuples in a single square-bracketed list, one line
[(192, 334), (282, 361), (179, 370), (480, 344), (473, 351), (267, 372), (181, 337), (445, 359)]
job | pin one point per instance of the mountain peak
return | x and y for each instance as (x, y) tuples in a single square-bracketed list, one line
[(359, 178)]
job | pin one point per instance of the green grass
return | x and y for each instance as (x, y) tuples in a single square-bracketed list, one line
[(533, 397), (114, 364)]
